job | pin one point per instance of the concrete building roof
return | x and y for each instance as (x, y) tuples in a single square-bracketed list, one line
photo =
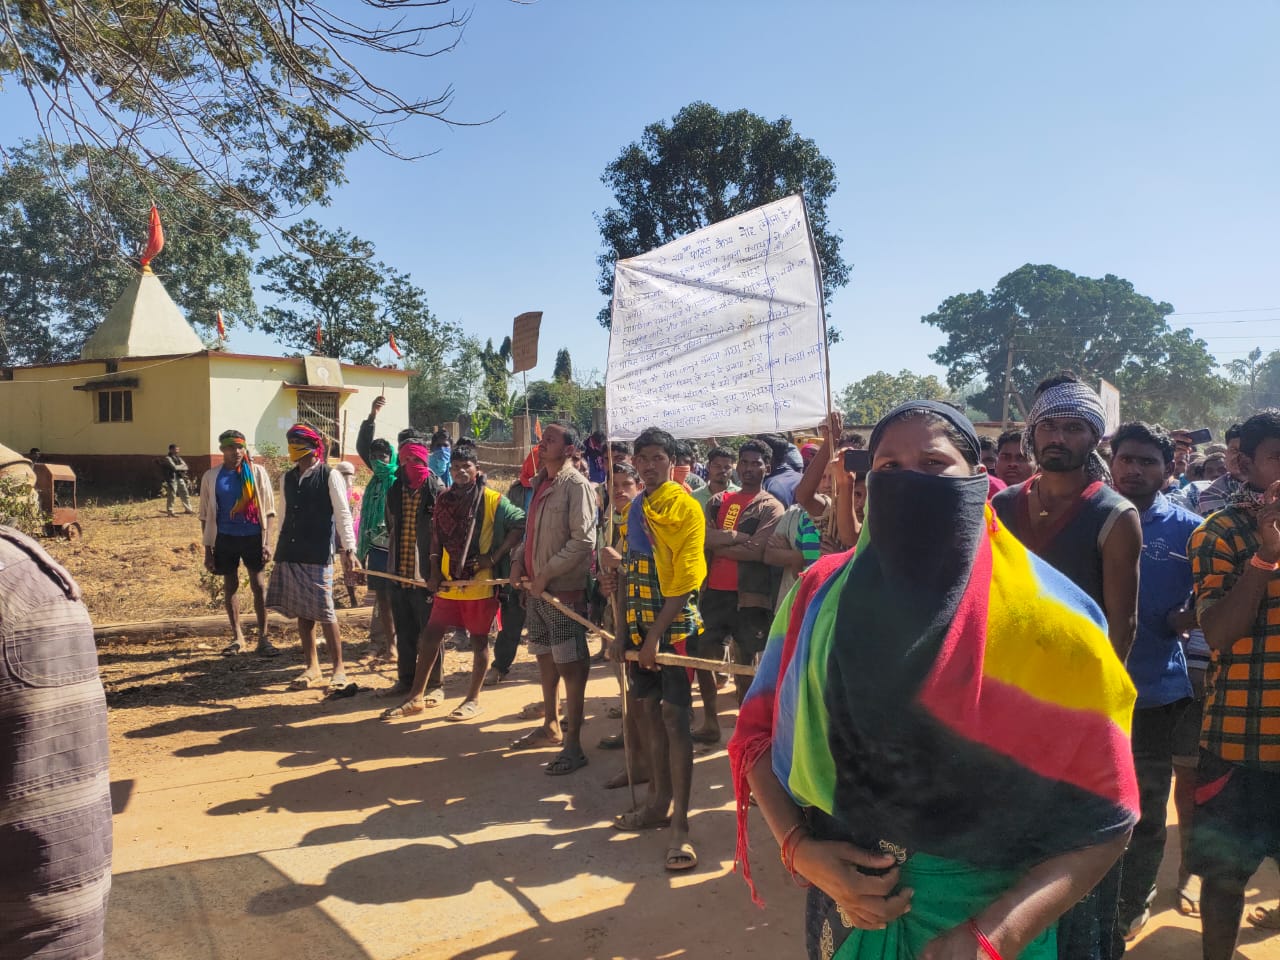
[(145, 322)]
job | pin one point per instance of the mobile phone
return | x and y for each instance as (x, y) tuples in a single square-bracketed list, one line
[(1201, 436), (857, 461)]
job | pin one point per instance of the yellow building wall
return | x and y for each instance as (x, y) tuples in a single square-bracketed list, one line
[(41, 408), (248, 394)]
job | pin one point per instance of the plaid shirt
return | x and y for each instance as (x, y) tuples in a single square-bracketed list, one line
[(1242, 711), (405, 564)]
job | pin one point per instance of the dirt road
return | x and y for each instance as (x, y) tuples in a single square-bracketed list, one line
[(258, 822)]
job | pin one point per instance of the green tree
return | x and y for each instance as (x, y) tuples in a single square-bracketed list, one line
[(496, 364), (264, 101), (704, 167), (869, 399), (60, 270), (1040, 319), (564, 367), (1245, 371), (1267, 393), (450, 388), (330, 281)]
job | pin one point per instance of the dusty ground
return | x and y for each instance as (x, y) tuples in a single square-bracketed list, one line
[(253, 821)]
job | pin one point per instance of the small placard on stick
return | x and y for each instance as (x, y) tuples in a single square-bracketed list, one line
[(524, 341)]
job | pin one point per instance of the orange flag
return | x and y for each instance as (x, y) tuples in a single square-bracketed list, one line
[(222, 330), (319, 336), (155, 237), (537, 428), (395, 347)]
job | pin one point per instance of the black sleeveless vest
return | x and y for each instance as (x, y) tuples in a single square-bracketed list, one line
[(307, 534)]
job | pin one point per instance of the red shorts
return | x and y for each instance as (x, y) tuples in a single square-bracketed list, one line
[(473, 616)]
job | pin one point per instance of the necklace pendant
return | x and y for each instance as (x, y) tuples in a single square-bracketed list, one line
[(1044, 513)]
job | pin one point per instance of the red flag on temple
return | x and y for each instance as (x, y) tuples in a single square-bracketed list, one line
[(319, 336), (222, 330), (395, 347), (155, 237)]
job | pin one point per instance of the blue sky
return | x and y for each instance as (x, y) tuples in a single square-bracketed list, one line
[(969, 138)]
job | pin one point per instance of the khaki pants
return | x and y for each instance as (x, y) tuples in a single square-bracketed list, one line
[(177, 488)]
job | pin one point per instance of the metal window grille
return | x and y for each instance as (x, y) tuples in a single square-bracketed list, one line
[(321, 411)]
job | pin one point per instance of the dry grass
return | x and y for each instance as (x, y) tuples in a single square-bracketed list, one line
[(135, 563)]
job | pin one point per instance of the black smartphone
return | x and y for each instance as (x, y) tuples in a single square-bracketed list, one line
[(1201, 436), (857, 461)]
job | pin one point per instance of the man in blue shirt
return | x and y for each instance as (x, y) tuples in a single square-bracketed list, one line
[(1142, 461), (237, 507), (784, 477)]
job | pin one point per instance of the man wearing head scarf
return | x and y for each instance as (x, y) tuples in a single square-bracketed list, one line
[(1072, 519), (411, 504), (315, 502), (237, 506)]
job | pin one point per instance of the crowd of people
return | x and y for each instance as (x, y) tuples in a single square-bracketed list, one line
[(980, 666)]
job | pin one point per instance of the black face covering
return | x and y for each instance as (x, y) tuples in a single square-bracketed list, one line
[(924, 528)]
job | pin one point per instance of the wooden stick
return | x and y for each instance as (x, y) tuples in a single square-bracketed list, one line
[(698, 663), (443, 583)]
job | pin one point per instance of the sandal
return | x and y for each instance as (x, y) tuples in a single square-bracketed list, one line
[(494, 678), (705, 736), (410, 708), (342, 692), (234, 648), (611, 742), (1189, 896), (1265, 918), (434, 697), (468, 711), (531, 711), (338, 681), (566, 763), (305, 681), (266, 649), (683, 857), (536, 740), (634, 821), (614, 713)]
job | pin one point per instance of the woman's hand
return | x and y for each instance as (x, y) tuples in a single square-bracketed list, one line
[(868, 901)]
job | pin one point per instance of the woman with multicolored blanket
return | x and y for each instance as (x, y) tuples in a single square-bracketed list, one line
[(938, 734)]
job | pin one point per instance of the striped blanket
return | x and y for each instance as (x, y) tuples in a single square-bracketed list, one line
[(941, 690)]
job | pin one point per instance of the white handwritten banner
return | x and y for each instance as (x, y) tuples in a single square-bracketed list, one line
[(721, 332)]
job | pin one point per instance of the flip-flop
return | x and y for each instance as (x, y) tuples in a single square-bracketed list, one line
[(494, 678), (635, 821), (342, 692), (266, 650), (531, 711), (683, 857), (614, 713), (1189, 896), (233, 649), (611, 742), (705, 736), (400, 712), (468, 711), (536, 740), (304, 681), (434, 697), (1265, 918), (565, 764)]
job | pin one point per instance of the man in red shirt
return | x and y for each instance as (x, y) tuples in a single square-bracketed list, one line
[(738, 600)]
